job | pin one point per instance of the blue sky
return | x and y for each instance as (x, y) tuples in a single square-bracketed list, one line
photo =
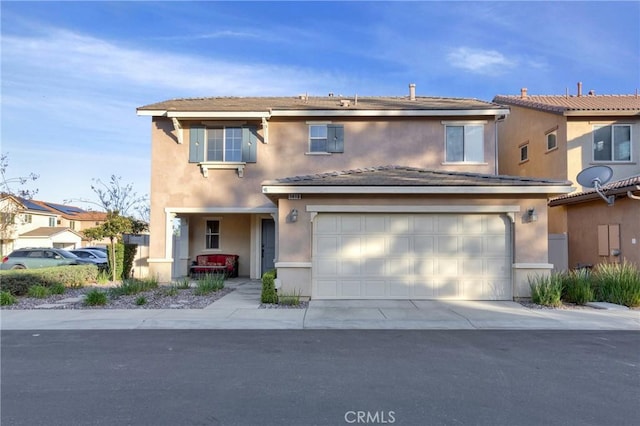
[(73, 73)]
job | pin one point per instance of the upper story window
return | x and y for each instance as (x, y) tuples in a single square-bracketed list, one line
[(52, 221), (326, 138), (72, 224), (524, 152), (464, 143), (212, 234), (222, 144), (552, 140), (28, 218), (612, 143)]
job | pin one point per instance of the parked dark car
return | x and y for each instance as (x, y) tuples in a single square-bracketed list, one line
[(32, 258)]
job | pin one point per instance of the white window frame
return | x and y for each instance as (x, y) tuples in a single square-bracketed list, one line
[(224, 144), (28, 218), (525, 147), (553, 133), (207, 234), (465, 125), (613, 146), (311, 138), (52, 221)]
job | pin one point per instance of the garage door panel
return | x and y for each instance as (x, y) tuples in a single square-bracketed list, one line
[(403, 256), (327, 246), (351, 289), (423, 245), (400, 289), (375, 289), (399, 245), (327, 288)]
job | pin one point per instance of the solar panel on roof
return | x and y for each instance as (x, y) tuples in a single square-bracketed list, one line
[(65, 209), (32, 206)]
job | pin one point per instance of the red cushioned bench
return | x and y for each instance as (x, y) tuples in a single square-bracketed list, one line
[(215, 263)]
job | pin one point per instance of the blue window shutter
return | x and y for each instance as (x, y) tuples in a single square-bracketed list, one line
[(196, 144), (335, 138), (249, 145)]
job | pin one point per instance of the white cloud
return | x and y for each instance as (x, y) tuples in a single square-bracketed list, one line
[(479, 61)]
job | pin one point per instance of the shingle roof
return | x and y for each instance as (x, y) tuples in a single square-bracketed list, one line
[(409, 176), (576, 105), (303, 103), (612, 188), (70, 212), (48, 231)]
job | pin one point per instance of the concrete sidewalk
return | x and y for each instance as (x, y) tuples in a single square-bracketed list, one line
[(240, 309)]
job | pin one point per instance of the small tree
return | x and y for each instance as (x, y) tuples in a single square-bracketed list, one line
[(114, 196), (112, 228)]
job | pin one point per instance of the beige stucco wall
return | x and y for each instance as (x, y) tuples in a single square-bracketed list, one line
[(176, 183), (584, 219), (580, 153)]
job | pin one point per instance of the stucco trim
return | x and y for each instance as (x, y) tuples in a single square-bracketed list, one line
[(293, 264), (473, 190), (222, 210), (159, 260), (412, 209)]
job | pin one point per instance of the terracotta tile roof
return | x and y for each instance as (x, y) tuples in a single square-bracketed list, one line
[(576, 105), (235, 104), (408, 176), (619, 187)]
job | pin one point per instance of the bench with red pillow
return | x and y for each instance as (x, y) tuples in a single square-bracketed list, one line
[(215, 263)]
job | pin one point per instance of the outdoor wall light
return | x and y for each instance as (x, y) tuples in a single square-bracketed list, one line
[(532, 215), (293, 215)]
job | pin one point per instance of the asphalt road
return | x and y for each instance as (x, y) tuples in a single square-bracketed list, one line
[(320, 377)]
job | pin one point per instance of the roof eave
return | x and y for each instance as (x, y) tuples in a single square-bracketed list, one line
[(269, 189)]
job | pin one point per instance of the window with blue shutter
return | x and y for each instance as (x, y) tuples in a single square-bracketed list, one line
[(223, 144), (326, 138), (196, 144)]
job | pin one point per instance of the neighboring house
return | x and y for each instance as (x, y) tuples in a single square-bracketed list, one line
[(32, 223), (558, 136), (297, 184)]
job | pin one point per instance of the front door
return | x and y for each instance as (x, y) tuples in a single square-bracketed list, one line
[(268, 244)]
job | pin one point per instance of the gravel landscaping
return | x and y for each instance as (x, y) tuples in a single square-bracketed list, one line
[(159, 298)]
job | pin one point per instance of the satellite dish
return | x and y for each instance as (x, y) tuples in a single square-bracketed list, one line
[(594, 177)]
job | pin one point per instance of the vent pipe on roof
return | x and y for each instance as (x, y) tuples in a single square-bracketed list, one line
[(592, 92), (412, 91), (523, 93), (579, 88)]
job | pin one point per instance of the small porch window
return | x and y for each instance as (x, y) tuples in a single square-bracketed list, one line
[(212, 234)]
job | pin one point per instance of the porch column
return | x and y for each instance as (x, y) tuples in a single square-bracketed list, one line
[(183, 248)]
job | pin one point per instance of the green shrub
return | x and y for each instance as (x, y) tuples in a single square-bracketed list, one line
[(95, 297), (133, 286), (17, 282), (38, 291), (128, 257), (57, 288), (141, 300), (617, 283), (577, 287), (291, 299), (171, 290), (103, 277), (184, 283), (208, 284), (7, 298), (546, 290), (119, 247), (269, 294)]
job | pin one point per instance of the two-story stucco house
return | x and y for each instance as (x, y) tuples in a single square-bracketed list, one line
[(347, 197), (557, 137)]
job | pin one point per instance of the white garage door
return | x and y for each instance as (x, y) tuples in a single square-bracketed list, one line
[(412, 256)]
